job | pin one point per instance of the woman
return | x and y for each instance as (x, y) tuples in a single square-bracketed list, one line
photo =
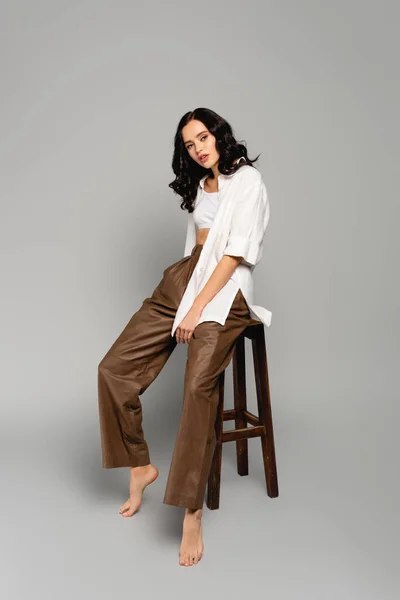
[(204, 300)]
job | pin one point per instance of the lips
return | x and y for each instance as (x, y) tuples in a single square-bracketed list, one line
[(203, 157)]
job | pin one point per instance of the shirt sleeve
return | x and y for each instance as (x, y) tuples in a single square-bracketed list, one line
[(249, 218)]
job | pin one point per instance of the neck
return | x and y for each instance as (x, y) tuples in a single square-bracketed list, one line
[(215, 171)]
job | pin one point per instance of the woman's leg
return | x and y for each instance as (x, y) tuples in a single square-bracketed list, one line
[(209, 353), (131, 364)]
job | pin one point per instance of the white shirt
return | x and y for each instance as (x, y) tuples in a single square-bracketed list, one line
[(238, 229)]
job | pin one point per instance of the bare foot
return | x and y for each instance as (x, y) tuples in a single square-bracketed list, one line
[(192, 547), (140, 477)]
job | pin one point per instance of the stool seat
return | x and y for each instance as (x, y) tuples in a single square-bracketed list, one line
[(253, 322), (261, 424)]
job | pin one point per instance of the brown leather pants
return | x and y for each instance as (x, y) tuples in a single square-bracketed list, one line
[(134, 361)]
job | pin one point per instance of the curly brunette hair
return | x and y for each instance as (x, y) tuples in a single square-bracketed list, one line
[(188, 172)]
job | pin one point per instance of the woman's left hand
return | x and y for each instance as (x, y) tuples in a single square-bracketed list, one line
[(186, 327)]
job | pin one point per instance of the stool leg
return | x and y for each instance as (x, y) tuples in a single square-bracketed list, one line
[(240, 402), (264, 410), (214, 478)]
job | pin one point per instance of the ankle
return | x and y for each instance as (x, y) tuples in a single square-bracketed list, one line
[(141, 468), (194, 513)]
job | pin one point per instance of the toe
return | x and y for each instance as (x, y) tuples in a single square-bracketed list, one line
[(128, 513)]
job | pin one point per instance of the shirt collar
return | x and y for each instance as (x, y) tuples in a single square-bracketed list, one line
[(221, 177)]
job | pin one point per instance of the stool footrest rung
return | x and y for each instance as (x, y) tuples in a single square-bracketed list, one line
[(249, 417), (230, 414), (242, 434)]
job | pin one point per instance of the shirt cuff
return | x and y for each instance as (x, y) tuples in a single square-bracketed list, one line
[(241, 246)]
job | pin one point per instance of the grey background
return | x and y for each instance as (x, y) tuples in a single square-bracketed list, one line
[(91, 93)]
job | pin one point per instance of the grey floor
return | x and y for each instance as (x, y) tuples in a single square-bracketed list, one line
[(330, 534)]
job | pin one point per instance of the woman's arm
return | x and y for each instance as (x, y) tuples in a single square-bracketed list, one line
[(216, 281)]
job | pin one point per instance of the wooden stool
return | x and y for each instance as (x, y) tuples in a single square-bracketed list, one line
[(262, 424)]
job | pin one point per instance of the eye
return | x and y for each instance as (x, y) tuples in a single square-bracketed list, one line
[(189, 145)]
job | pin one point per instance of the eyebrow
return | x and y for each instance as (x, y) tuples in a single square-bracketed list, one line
[(201, 132)]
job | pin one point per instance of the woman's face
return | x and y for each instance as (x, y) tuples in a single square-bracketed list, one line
[(198, 142)]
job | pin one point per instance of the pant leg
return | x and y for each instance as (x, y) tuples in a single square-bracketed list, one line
[(133, 362), (209, 353)]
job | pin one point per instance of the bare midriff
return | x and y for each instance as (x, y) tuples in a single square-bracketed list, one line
[(201, 235)]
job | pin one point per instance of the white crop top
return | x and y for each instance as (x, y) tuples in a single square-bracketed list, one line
[(206, 207)]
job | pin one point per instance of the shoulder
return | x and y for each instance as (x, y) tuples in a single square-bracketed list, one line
[(247, 175)]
